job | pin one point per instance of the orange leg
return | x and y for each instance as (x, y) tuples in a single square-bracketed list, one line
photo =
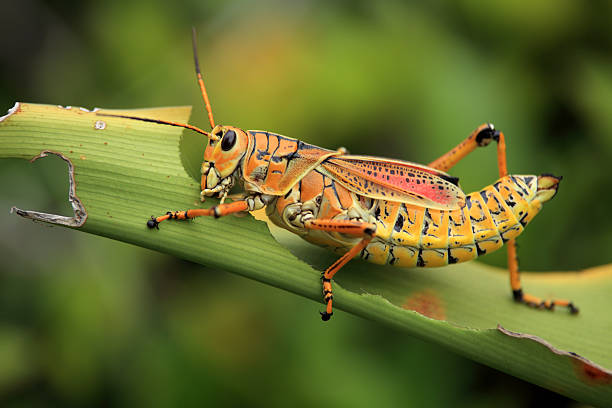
[(216, 211), (526, 298), (482, 136), (356, 228)]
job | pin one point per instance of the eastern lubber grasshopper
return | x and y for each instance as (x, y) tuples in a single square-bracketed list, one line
[(386, 211)]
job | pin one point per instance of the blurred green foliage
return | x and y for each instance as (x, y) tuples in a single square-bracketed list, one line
[(87, 321)]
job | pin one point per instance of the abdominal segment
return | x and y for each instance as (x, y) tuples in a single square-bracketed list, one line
[(416, 236)]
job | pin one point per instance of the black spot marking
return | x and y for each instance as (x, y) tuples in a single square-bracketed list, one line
[(261, 154), (485, 197), (520, 190), (523, 221), (399, 223), (365, 254), (425, 225), (420, 261), (387, 213)]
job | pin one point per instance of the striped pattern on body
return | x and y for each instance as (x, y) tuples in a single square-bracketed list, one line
[(417, 236)]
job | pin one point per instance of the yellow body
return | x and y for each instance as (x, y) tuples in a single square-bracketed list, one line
[(410, 235)]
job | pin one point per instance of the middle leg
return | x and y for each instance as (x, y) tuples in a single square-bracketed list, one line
[(357, 228)]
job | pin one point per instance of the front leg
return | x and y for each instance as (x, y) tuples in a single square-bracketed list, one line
[(251, 203)]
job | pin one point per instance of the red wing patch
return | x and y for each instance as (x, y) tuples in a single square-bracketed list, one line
[(398, 181)]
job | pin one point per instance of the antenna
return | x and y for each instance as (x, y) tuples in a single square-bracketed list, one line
[(162, 122), (201, 80)]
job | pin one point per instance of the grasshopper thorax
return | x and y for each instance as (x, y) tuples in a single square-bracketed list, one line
[(226, 147)]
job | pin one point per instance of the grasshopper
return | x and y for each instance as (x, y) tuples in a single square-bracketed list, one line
[(386, 211)]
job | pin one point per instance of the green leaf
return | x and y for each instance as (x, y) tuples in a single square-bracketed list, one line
[(125, 170)]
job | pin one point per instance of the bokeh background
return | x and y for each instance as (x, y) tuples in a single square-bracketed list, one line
[(85, 321)]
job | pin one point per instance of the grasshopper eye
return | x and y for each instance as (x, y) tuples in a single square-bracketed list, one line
[(229, 140)]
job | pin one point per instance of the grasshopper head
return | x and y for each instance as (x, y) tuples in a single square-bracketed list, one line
[(226, 147)]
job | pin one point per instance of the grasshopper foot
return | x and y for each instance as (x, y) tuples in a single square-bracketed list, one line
[(325, 316), (153, 223)]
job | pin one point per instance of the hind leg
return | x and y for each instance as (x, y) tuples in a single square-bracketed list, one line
[(482, 136)]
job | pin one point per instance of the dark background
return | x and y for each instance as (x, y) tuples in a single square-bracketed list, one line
[(88, 321)]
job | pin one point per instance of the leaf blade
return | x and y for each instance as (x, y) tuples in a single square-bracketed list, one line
[(129, 170)]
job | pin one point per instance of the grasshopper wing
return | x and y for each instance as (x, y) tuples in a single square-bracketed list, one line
[(395, 180)]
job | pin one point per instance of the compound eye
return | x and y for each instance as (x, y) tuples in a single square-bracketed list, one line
[(229, 140)]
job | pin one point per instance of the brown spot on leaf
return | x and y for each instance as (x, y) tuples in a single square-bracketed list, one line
[(427, 303), (590, 373), (82, 157)]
